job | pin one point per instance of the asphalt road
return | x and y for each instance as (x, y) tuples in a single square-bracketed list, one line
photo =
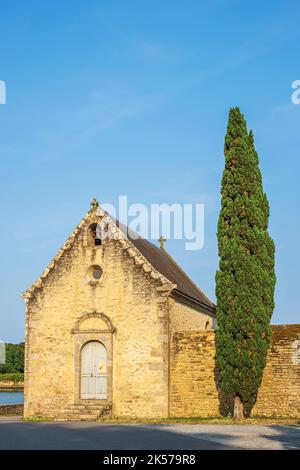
[(15, 434)]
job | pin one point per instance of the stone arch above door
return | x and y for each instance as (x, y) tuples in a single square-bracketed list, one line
[(95, 322), (93, 327)]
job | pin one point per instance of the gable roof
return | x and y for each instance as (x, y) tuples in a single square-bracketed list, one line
[(167, 266), (163, 266)]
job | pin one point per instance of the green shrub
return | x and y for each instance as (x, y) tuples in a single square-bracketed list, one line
[(14, 359)]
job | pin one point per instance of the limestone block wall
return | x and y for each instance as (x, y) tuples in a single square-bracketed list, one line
[(279, 393), (193, 390), (137, 306), (194, 387), (186, 318)]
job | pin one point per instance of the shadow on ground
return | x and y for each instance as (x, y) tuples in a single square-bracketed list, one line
[(287, 436), (82, 435)]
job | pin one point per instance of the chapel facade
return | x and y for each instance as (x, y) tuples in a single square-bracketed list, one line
[(100, 322)]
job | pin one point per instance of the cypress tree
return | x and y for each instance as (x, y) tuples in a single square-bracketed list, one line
[(245, 280)]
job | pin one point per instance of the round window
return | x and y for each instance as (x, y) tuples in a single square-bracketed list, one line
[(97, 272)]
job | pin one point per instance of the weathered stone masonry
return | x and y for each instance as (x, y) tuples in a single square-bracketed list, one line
[(194, 390), (279, 393), (155, 325), (128, 310), (137, 309)]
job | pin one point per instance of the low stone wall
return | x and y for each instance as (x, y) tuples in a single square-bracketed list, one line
[(193, 385), (194, 388), (279, 394), (11, 410)]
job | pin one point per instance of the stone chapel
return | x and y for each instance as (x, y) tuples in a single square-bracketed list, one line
[(100, 322)]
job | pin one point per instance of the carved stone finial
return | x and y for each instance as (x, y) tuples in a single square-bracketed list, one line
[(162, 241), (94, 204)]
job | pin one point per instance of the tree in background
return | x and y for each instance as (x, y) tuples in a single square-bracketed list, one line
[(245, 280), (14, 359)]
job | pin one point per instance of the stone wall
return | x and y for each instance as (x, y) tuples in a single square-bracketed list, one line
[(280, 389), (186, 318), (11, 410), (194, 388)]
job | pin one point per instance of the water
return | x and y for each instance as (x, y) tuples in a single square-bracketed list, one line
[(11, 398)]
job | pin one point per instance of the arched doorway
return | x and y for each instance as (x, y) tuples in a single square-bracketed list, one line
[(94, 371)]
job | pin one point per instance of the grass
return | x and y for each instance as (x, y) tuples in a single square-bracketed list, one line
[(181, 420), (12, 377), (38, 419), (198, 420), (209, 420)]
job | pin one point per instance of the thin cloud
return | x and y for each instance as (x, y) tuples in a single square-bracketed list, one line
[(141, 48), (104, 119), (106, 116), (145, 103)]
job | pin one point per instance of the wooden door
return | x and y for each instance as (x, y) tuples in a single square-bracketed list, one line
[(94, 371)]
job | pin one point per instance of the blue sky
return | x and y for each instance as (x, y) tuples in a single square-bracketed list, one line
[(109, 98)]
